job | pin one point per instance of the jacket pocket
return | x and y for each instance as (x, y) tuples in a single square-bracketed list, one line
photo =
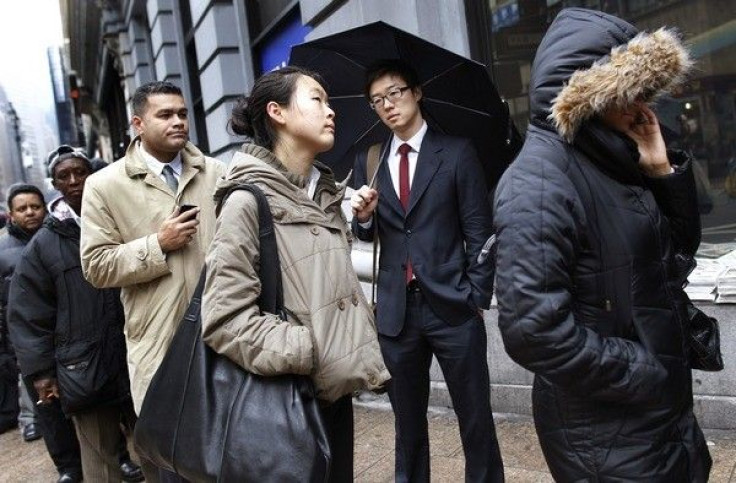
[(603, 302)]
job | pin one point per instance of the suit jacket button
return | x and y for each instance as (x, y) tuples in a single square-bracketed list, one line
[(372, 379), (315, 230), (355, 299), (408, 232), (341, 304)]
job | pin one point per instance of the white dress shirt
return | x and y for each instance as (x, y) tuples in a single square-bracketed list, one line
[(394, 158), (314, 175), (158, 167)]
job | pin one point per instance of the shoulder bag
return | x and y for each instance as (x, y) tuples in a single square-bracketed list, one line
[(207, 419)]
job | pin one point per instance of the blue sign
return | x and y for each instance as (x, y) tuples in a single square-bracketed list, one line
[(276, 47)]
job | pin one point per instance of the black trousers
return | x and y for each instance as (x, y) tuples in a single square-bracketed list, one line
[(58, 434), (338, 419), (461, 353), (9, 407)]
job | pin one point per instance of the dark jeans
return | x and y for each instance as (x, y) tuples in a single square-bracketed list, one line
[(58, 434), (461, 353), (338, 419)]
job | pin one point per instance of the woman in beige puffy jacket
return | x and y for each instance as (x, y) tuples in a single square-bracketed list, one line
[(330, 332)]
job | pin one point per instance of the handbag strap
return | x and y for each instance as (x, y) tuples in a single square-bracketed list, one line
[(271, 299)]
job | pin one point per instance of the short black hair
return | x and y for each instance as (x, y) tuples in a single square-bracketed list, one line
[(22, 188), (141, 95), (384, 67)]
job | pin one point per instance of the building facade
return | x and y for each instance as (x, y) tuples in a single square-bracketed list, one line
[(63, 98), (11, 154), (214, 49)]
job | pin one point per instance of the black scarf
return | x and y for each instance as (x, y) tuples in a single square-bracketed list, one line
[(19, 233), (612, 152)]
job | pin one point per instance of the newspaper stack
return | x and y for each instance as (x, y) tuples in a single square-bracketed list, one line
[(714, 278), (726, 287), (703, 280)]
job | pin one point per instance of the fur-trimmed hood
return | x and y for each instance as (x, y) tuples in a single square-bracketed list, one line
[(590, 61)]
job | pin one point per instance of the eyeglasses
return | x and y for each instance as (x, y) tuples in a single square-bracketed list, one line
[(393, 95)]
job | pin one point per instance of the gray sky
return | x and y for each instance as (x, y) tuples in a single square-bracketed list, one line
[(27, 29)]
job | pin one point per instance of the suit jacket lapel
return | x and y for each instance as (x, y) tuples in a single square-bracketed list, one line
[(428, 163)]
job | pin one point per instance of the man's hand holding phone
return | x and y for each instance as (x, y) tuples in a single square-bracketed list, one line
[(179, 228)]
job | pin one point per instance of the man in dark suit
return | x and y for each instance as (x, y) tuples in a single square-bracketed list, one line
[(432, 218)]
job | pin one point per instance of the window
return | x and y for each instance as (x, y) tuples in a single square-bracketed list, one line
[(198, 116)]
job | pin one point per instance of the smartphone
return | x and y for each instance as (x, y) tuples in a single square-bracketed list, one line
[(185, 208)]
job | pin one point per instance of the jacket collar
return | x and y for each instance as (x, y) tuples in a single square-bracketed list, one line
[(257, 165), (17, 232), (135, 164), (193, 161), (67, 228)]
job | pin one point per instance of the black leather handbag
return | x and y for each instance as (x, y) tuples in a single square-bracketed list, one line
[(705, 341), (207, 419), (703, 333)]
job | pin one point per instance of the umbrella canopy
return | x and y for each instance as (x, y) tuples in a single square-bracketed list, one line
[(458, 95)]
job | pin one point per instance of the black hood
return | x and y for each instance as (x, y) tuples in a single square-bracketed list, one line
[(67, 228), (574, 41), (19, 233)]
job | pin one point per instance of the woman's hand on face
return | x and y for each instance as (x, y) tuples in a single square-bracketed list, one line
[(646, 132)]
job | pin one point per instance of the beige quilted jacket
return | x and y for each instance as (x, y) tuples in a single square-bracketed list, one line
[(330, 332)]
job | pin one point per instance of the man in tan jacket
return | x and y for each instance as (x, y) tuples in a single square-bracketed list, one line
[(135, 234)]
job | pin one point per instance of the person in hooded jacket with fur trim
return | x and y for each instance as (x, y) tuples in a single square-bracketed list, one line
[(589, 219)]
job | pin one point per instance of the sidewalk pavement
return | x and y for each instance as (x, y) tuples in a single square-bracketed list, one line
[(374, 446)]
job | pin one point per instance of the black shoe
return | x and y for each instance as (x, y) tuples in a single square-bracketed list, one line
[(131, 471), (31, 432), (69, 477)]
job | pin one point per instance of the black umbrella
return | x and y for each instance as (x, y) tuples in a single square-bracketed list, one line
[(458, 95)]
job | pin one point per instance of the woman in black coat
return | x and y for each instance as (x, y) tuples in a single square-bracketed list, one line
[(589, 219)]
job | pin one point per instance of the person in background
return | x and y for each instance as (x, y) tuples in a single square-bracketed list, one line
[(26, 216), (330, 334), (591, 220), (27, 210), (432, 218), (136, 237), (69, 335)]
